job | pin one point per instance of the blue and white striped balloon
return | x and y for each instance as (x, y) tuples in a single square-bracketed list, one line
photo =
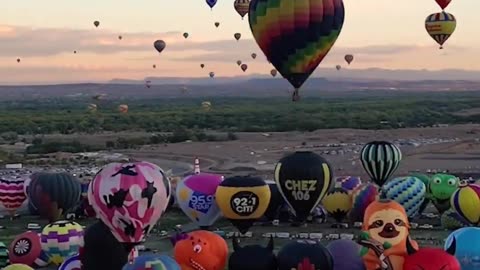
[(408, 191)]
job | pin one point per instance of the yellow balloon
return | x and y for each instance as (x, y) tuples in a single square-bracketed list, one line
[(18, 266), (337, 203), (465, 201), (440, 26)]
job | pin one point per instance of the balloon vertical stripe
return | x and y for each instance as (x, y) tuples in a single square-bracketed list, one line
[(380, 160)]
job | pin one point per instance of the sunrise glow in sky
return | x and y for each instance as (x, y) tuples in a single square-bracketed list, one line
[(44, 33)]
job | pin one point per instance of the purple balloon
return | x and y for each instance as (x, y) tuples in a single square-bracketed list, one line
[(346, 255), (211, 3)]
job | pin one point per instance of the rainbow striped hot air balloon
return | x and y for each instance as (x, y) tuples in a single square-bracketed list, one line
[(12, 195), (466, 202), (61, 240), (362, 197), (407, 191), (295, 36)]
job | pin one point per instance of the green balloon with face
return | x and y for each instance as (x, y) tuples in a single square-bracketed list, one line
[(441, 188)]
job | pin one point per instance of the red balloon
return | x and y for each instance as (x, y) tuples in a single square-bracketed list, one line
[(25, 249), (443, 3)]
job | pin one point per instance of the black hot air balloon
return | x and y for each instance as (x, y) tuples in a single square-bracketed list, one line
[(202, 65), (96, 23), (276, 201), (159, 45), (304, 255), (252, 257), (54, 194), (102, 250), (380, 160), (303, 179), (243, 199)]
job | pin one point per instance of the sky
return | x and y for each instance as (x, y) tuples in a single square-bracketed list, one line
[(386, 34)]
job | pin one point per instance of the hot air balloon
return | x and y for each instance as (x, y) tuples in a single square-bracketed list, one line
[(244, 67), (273, 72), (349, 58), (61, 240), (440, 189), (18, 60), (27, 249), (217, 24), (337, 203), (123, 108), (207, 106), (148, 84), (303, 179), (304, 254), (409, 192), (196, 197), (297, 47), (237, 36), (17, 267), (348, 183), (243, 199), (160, 45), (152, 262), (465, 202), (96, 23), (54, 194), (71, 263), (120, 37), (201, 250), (4, 261), (346, 255), (102, 250), (362, 197), (239, 62), (92, 107), (440, 26), (443, 3), (12, 194), (254, 55), (241, 6), (185, 35), (202, 65), (154, 66), (276, 201), (211, 3), (74, 52), (338, 67), (380, 160), (130, 198), (211, 74)]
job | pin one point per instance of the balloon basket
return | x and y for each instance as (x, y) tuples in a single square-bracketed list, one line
[(340, 226)]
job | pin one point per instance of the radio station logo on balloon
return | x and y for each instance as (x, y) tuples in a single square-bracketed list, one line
[(201, 202)]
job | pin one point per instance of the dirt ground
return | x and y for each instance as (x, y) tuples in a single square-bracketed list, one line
[(257, 153)]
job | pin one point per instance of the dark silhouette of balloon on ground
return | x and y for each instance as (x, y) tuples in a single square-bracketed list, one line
[(346, 255), (252, 257), (304, 254)]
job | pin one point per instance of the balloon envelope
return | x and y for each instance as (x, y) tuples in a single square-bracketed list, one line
[(440, 26), (243, 199), (337, 203), (296, 38), (407, 191), (467, 247), (196, 197), (304, 255), (465, 202), (12, 194), (130, 198), (241, 6), (303, 179), (346, 255), (380, 160), (61, 239), (160, 45)]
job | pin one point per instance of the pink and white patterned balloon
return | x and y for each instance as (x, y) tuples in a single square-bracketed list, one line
[(130, 198)]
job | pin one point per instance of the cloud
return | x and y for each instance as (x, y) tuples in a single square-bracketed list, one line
[(31, 42)]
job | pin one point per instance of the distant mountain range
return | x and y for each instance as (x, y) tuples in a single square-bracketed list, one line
[(339, 83)]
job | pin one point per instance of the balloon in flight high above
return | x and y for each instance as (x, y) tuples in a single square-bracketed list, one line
[(123, 108), (217, 24), (349, 58), (120, 37), (202, 65), (211, 74), (239, 62), (443, 3), (244, 67), (18, 60), (237, 36), (185, 35), (440, 26), (159, 45), (241, 6), (273, 72), (338, 67), (296, 44), (254, 55), (96, 23), (211, 3)]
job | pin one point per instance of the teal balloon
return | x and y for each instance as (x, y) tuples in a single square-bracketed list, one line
[(407, 191), (153, 262)]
